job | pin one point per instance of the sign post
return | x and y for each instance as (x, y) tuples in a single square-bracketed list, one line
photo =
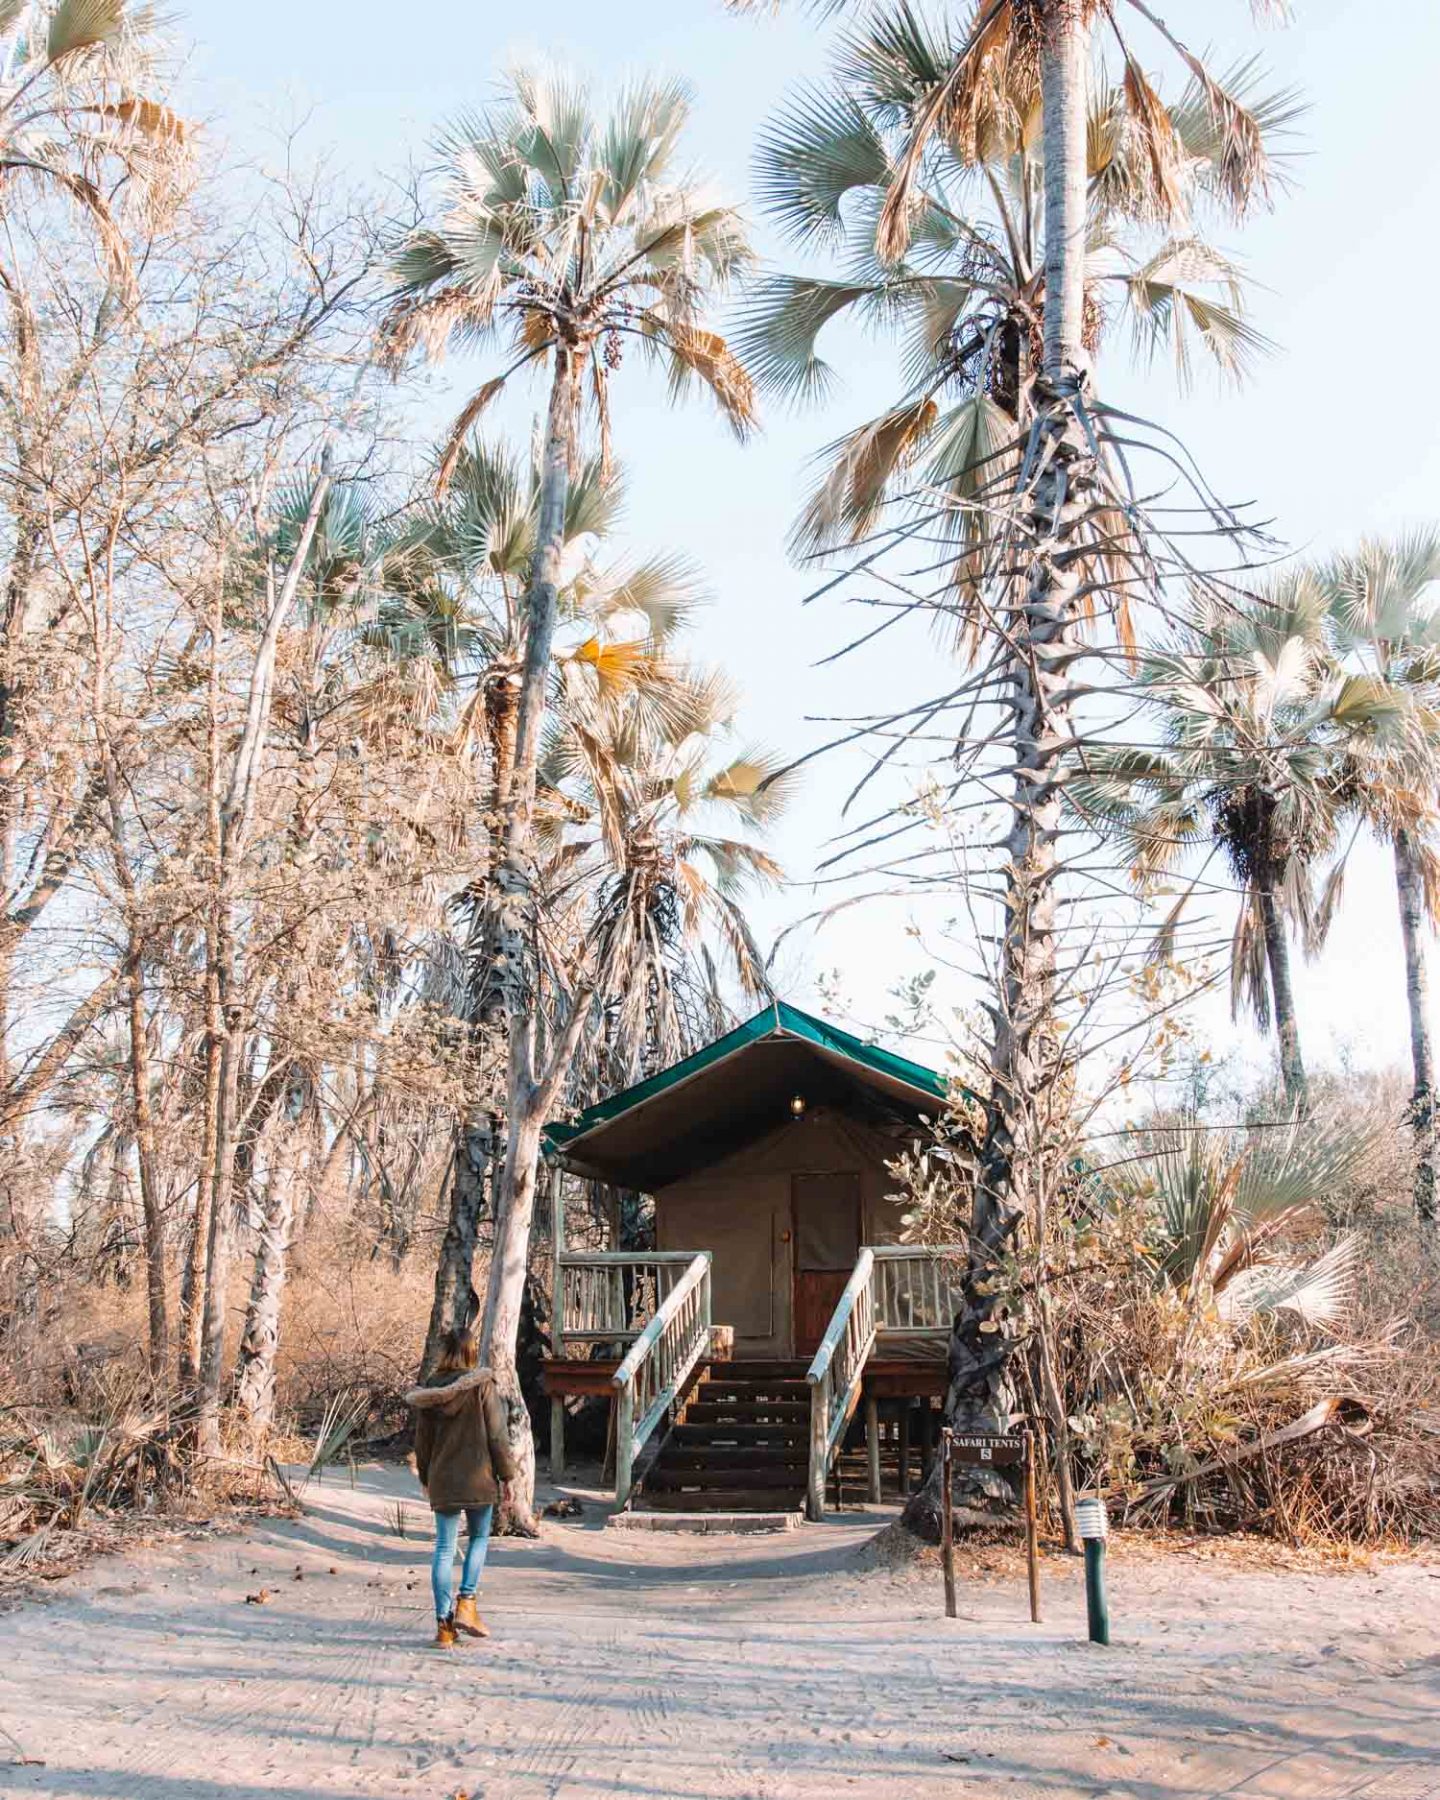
[(947, 1523), (996, 1450), (1032, 1545)]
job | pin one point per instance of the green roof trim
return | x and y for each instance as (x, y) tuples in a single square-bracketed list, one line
[(778, 1020)]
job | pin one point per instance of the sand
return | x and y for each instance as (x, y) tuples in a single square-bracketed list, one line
[(630, 1667)]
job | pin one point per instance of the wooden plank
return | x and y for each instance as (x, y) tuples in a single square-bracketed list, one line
[(610, 1259), (819, 1440), (872, 1447), (557, 1437), (567, 1379), (1032, 1547), (894, 1380)]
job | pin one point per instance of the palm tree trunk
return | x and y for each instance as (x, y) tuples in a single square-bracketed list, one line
[(1063, 57), (504, 992), (1282, 995), (1409, 886), (480, 1141), (1040, 627), (453, 1302)]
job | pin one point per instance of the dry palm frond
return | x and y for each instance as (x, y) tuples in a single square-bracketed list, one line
[(991, 80), (864, 464), (706, 356), (150, 118), (1160, 151), (1241, 167), (465, 422)]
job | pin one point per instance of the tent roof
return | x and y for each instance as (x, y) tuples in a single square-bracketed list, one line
[(737, 1089)]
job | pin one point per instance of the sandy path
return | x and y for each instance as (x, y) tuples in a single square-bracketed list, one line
[(634, 1668)]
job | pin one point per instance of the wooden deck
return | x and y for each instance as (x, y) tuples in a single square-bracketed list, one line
[(899, 1405)]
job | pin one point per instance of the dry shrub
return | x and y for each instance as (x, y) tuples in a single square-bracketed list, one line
[(354, 1323), (1178, 1405)]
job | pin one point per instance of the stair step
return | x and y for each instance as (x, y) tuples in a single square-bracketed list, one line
[(780, 1432), (665, 1480), (707, 1524), (748, 1391), (767, 1499), (788, 1368), (746, 1412), (733, 1456)]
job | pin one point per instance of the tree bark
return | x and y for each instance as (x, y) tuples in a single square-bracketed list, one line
[(506, 992), (1040, 622), (504, 1301), (1282, 997), (1409, 887), (253, 1392), (454, 1302), (1063, 58), (151, 1206)]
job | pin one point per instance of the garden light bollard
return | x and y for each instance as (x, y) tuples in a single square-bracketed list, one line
[(1094, 1528)]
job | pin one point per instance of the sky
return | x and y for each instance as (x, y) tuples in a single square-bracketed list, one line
[(1333, 437)]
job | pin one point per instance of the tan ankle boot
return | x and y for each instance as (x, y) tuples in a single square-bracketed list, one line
[(444, 1634), (467, 1619)]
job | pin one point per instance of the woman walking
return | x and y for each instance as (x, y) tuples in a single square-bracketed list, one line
[(462, 1455)]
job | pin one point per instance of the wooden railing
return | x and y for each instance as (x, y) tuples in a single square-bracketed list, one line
[(610, 1296), (897, 1292), (835, 1375), (657, 1366), (917, 1289)]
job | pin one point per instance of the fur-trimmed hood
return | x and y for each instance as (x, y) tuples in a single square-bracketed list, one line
[(445, 1393)]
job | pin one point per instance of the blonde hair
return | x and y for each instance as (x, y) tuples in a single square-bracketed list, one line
[(458, 1351)]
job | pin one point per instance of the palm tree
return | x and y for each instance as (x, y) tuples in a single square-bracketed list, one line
[(70, 102), (456, 606), (1382, 601), (566, 235), (1265, 749), (1222, 1207), (968, 293), (1014, 95), (659, 829)]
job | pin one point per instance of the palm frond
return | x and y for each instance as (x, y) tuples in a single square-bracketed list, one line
[(779, 328), (821, 149), (692, 355), (862, 467)]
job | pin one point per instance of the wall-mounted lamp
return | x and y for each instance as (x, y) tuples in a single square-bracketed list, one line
[(797, 1107)]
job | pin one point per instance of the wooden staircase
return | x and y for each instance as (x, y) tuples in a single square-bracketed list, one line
[(740, 1444)]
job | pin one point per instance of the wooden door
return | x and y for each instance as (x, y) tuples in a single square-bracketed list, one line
[(825, 1212)]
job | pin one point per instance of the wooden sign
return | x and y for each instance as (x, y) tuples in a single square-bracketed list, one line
[(1000, 1450), (994, 1450)]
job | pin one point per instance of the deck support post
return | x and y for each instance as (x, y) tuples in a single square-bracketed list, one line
[(904, 1449), (819, 1437), (624, 1416), (557, 1437), (872, 1447)]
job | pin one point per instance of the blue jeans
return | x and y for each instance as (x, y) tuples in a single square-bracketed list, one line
[(447, 1539)]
